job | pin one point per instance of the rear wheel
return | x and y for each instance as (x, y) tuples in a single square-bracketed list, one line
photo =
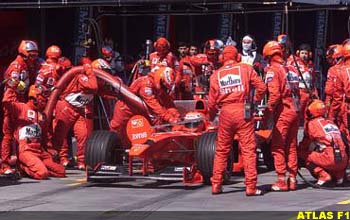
[(205, 157)]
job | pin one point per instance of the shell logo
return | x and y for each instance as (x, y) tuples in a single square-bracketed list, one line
[(137, 123), (138, 129)]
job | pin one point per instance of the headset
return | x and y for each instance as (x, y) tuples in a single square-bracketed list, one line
[(254, 47), (306, 47)]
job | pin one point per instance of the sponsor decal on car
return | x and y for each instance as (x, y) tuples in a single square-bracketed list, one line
[(108, 168), (138, 129), (136, 123), (139, 136)]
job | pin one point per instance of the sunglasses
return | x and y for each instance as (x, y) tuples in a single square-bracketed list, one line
[(247, 41)]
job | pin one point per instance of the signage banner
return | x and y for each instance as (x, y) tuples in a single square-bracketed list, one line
[(81, 33), (161, 23)]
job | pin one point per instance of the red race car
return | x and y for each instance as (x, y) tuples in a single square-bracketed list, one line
[(182, 151)]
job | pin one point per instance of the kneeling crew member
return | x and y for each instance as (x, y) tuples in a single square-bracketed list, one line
[(322, 147), (29, 128)]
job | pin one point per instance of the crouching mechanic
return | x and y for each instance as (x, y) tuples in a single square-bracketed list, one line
[(153, 89), (29, 127), (322, 147), (230, 89)]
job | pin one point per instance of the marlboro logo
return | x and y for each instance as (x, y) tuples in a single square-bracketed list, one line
[(230, 80)]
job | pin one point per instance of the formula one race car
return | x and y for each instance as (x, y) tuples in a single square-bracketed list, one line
[(182, 151)]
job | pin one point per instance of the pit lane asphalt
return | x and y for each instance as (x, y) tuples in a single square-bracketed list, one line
[(74, 194)]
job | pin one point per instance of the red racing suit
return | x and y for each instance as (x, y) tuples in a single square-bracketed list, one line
[(230, 88), (283, 103), (33, 68), (16, 72), (48, 75), (341, 98), (74, 110), (187, 74), (160, 105), (29, 129), (332, 76), (202, 68), (324, 135), (309, 75)]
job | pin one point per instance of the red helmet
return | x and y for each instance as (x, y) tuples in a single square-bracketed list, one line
[(317, 108), (40, 95), (107, 53), (229, 53), (28, 48), (272, 48), (65, 62), (164, 76), (212, 50), (196, 122), (162, 46), (334, 53), (346, 49), (282, 39), (53, 52), (101, 64), (212, 47), (85, 60)]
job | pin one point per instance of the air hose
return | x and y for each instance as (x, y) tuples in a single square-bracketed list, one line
[(313, 185)]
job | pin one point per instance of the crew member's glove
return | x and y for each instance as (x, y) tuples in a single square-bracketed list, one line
[(260, 113), (173, 120), (21, 86)]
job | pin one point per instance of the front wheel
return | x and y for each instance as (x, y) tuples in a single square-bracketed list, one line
[(102, 147)]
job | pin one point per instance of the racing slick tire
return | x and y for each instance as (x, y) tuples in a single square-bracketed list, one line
[(102, 147), (205, 157)]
